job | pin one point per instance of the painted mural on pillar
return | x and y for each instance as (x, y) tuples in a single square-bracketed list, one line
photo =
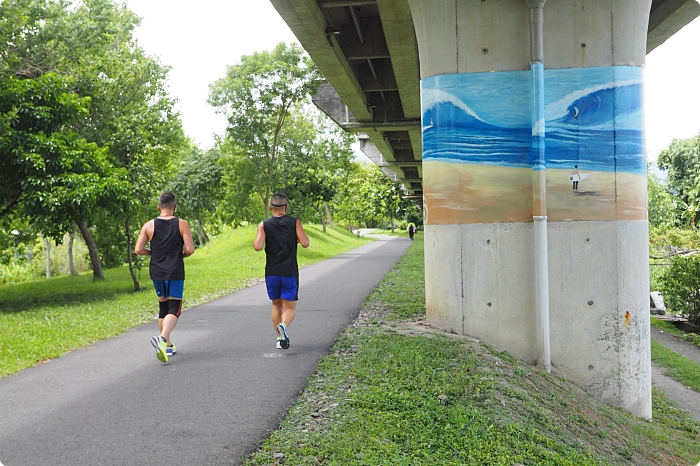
[(477, 133)]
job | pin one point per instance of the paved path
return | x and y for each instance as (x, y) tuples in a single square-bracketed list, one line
[(686, 398), (222, 393)]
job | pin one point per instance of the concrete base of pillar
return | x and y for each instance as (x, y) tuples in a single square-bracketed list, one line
[(480, 282)]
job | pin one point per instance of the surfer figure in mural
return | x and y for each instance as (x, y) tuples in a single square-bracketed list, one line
[(575, 177)]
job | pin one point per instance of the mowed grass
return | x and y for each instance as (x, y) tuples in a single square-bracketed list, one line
[(395, 392), (678, 367), (42, 320)]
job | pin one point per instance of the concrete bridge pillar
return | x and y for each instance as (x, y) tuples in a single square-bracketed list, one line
[(481, 180)]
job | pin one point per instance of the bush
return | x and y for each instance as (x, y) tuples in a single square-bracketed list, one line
[(681, 238), (680, 286)]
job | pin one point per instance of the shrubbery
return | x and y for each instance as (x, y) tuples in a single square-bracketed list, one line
[(680, 286)]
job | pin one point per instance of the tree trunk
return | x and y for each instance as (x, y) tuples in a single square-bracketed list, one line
[(328, 214), (200, 232), (129, 257), (97, 273), (391, 220), (71, 263), (47, 246), (323, 219)]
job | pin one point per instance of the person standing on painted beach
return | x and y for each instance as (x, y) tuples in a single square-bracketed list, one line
[(575, 176), (279, 236), (171, 241)]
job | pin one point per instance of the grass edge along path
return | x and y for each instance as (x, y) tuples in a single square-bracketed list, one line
[(394, 391), (44, 319), (680, 368)]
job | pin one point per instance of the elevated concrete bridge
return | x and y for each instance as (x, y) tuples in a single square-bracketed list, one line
[(368, 51), (493, 112)]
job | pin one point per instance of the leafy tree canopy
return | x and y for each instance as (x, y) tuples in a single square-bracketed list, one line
[(681, 161), (257, 96)]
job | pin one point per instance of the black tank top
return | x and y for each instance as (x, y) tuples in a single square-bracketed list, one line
[(166, 250), (281, 246)]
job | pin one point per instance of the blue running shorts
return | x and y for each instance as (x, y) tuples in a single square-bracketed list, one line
[(286, 288), (170, 289)]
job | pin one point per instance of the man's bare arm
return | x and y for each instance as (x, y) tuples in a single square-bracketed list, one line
[(144, 236), (186, 234), (301, 235), (259, 238)]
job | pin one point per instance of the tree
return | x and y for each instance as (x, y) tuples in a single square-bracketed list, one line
[(386, 196), (257, 96), (661, 206), (47, 169), (196, 187), (131, 114), (680, 286), (681, 161), (130, 120), (317, 156)]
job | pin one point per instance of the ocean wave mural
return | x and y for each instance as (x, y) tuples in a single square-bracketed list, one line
[(478, 126)]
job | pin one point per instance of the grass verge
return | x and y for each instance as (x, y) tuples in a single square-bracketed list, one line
[(41, 320), (394, 391), (680, 368), (668, 327)]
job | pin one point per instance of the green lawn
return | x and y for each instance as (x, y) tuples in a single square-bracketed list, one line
[(44, 319)]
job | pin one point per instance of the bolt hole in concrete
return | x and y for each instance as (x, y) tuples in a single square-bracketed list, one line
[(488, 241), (488, 304), (590, 303), (588, 239), (484, 50), (583, 46), (590, 367)]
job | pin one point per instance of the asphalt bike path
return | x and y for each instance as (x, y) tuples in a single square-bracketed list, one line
[(213, 403)]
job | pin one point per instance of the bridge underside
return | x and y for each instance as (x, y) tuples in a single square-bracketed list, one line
[(368, 51)]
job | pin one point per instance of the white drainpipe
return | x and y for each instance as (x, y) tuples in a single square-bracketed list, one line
[(539, 182)]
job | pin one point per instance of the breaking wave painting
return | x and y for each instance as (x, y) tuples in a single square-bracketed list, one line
[(477, 133)]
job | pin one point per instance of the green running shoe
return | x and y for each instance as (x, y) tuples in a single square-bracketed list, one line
[(170, 350), (159, 344)]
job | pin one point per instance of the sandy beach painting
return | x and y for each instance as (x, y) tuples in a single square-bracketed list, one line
[(477, 157)]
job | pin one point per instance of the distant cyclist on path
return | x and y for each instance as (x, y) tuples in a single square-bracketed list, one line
[(279, 236), (171, 241)]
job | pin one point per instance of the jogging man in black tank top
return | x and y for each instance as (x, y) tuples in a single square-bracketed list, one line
[(171, 240), (279, 235)]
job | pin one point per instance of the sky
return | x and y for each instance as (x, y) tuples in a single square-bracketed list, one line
[(198, 40)]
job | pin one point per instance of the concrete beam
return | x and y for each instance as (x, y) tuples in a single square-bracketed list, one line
[(668, 18), (344, 3), (305, 19), (374, 46), (400, 35)]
